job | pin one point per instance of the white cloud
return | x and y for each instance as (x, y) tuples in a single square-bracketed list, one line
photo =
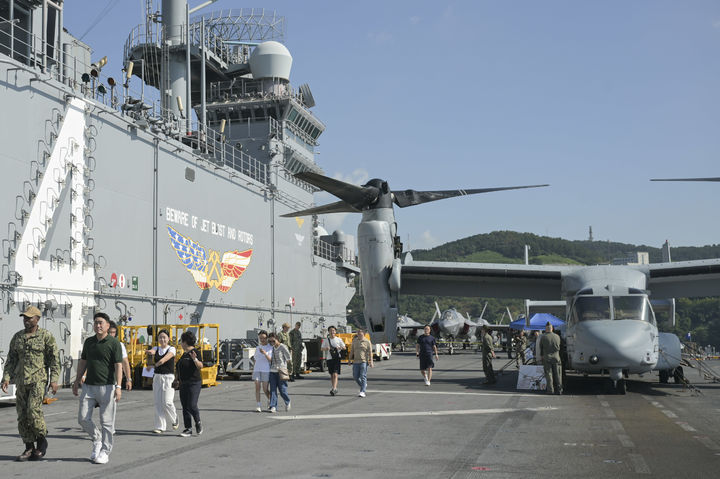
[(414, 20), (426, 241)]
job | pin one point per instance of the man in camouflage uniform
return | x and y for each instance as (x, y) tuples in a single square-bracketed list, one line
[(32, 352), (488, 353), (296, 345), (520, 347)]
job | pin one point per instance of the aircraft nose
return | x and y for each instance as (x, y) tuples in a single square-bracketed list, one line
[(615, 343)]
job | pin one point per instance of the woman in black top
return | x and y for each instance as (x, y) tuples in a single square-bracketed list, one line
[(188, 373)]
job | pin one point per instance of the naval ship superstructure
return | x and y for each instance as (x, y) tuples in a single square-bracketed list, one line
[(165, 209)]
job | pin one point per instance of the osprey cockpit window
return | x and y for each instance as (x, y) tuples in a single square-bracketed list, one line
[(590, 308), (633, 307)]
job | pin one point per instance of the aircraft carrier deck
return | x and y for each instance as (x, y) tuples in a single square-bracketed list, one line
[(455, 428)]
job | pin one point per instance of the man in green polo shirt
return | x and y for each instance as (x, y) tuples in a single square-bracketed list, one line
[(101, 357)]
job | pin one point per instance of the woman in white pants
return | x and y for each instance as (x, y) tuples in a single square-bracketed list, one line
[(164, 356)]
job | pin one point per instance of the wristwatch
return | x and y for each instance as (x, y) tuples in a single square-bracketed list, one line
[(117, 386)]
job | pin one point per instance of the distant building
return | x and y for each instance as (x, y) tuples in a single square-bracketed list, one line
[(639, 257)]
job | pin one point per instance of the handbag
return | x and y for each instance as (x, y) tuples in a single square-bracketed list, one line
[(176, 384), (334, 352), (284, 374)]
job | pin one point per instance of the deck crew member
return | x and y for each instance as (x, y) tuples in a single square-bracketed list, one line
[(101, 357), (32, 352), (296, 345), (550, 354), (362, 356), (488, 353)]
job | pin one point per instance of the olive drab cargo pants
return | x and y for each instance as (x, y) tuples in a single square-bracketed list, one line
[(28, 403)]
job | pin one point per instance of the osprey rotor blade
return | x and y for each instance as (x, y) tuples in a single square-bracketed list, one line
[(338, 207), (412, 197), (685, 179), (357, 196)]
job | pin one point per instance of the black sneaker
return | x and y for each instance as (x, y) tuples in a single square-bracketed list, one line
[(198, 428), (332, 392), (187, 432)]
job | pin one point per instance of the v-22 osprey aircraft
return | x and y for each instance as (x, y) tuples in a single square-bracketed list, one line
[(611, 326)]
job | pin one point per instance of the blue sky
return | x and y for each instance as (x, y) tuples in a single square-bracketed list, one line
[(594, 98)]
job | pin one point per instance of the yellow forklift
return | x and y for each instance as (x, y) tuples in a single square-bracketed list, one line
[(138, 339)]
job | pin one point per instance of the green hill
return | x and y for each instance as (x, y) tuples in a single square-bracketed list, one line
[(699, 316)]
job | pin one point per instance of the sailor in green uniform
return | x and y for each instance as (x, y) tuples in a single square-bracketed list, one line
[(488, 353), (550, 354), (32, 352), (296, 345)]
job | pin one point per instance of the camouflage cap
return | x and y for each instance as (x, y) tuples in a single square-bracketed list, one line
[(32, 311)]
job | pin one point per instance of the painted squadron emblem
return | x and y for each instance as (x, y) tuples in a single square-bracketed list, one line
[(206, 266)]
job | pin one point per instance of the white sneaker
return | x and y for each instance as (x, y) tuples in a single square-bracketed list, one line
[(427, 382), (95, 450), (287, 407), (157, 431), (361, 394), (102, 458), (272, 409), (258, 408)]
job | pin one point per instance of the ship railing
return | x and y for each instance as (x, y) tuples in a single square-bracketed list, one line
[(21, 45), (336, 253), (152, 34)]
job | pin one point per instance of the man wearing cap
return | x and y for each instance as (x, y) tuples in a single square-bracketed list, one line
[(32, 352), (284, 336), (296, 346), (550, 355)]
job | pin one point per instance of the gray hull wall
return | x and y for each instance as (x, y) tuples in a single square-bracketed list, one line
[(125, 198)]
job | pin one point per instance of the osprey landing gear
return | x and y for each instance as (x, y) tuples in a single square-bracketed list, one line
[(618, 379)]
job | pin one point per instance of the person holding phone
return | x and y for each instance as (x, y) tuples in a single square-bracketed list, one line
[(188, 373), (332, 346)]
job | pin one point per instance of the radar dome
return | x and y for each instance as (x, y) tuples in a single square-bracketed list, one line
[(270, 60)]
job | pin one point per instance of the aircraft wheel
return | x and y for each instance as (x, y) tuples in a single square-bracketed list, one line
[(678, 375), (402, 347), (664, 376), (620, 387), (451, 351)]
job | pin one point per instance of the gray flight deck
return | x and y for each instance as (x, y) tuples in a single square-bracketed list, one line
[(455, 428)]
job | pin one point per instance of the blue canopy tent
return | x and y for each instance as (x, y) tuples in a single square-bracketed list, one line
[(537, 322)]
